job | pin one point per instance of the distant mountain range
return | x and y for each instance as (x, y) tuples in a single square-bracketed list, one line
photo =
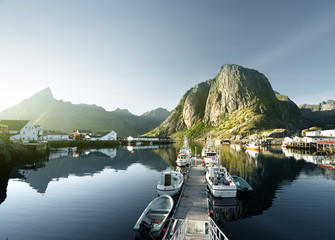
[(43, 109), (321, 115), (238, 101)]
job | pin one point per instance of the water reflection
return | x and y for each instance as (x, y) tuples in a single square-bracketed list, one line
[(64, 162), (284, 178), (266, 171)]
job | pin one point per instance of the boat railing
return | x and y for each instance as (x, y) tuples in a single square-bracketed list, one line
[(214, 231)]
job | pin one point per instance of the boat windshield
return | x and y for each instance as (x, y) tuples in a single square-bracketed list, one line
[(211, 154)]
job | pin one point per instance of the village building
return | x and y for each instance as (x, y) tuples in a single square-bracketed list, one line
[(19, 130), (39, 130), (321, 133), (54, 136), (102, 136)]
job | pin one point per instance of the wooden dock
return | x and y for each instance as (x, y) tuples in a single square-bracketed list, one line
[(191, 214), (193, 204), (320, 146)]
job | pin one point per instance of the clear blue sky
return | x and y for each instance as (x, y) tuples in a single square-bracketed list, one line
[(145, 54)]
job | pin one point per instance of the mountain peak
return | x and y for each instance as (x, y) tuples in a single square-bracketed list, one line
[(237, 100), (44, 94)]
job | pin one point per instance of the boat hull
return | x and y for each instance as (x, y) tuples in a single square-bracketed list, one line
[(182, 163), (170, 183), (252, 148), (220, 189), (222, 192), (170, 192)]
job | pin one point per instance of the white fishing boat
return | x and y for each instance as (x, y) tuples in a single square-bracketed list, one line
[(204, 152), (252, 146), (152, 221), (170, 182), (186, 148), (220, 183), (212, 157), (183, 160)]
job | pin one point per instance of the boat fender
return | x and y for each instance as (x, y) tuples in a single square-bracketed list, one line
[(210, 212)]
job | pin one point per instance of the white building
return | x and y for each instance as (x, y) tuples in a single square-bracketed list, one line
[(102, 136), (55, 136), (313, 133), (323, 133), (39, 130), (20, 130), (328, 133)]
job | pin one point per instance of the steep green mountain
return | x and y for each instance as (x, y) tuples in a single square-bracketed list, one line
[(322, 114), (237, 101), (45, 110)]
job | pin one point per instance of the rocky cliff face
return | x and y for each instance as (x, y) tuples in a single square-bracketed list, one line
[(321, 107), (236, 101), (321, 115), (234, 89)]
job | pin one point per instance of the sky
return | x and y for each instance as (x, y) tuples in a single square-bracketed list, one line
[(144, 54)]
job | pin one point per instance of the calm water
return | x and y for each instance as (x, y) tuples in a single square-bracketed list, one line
[(99, 194)]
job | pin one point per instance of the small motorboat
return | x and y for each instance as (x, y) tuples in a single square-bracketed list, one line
[(220, 183), (152, 221), (243, 188), (183, 160), (252, 146), (170, 182)]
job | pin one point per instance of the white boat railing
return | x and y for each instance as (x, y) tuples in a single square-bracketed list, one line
[(214, 231)]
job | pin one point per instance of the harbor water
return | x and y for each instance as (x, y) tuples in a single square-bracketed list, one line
[(100, 193)]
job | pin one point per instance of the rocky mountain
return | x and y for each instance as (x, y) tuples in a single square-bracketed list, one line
[(321, 115), (45, 110), (236, 102)]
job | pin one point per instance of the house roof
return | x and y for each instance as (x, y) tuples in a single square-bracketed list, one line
[(14, 124)]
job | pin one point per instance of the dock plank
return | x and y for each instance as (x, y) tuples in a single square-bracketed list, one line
[(193, 204)]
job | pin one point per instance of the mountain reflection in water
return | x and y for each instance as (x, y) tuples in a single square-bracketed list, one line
[(126, 178), (85, 162)]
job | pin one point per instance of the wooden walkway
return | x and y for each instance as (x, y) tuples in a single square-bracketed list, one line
[(193, 205)]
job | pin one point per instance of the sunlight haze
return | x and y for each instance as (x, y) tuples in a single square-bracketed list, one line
[(141, 55)]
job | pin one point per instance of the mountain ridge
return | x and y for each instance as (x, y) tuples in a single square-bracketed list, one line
[(321, 115), (43, 109)]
